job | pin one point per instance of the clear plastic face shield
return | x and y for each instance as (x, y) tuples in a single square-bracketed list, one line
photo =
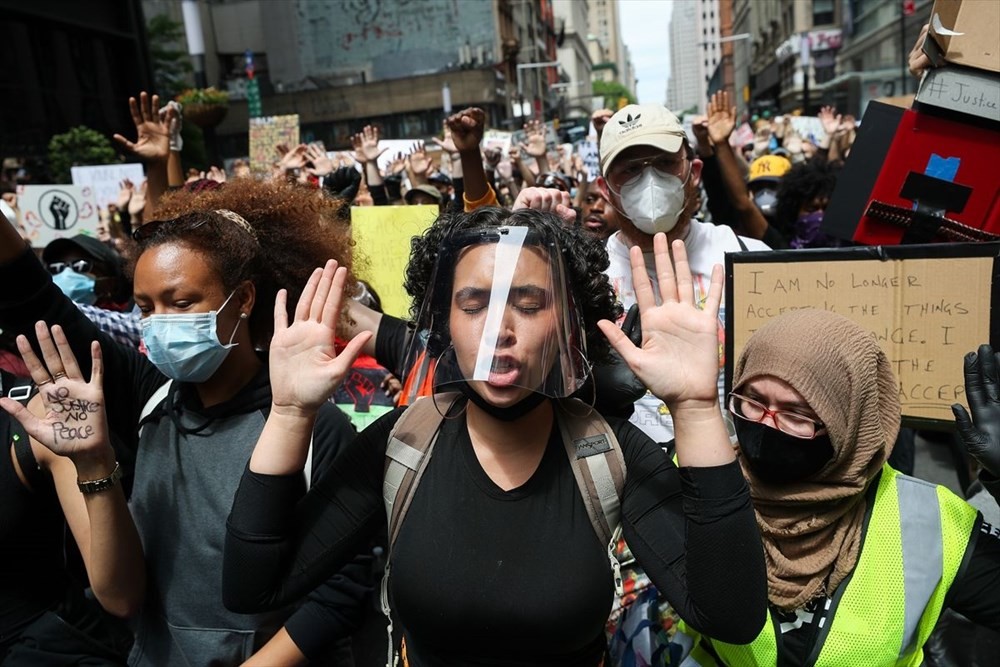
[(500, 317)]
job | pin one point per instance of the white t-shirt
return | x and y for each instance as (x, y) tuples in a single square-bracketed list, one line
[(706, 246)]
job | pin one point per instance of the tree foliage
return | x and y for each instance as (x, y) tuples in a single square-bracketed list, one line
[(79, 146), (171, 65), (613, 92)]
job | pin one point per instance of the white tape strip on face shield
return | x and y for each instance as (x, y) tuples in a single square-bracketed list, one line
[(508, 249)]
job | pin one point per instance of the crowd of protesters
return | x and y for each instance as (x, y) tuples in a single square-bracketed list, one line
[(182, 489)]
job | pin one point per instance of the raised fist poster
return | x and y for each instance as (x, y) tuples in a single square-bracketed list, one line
[(50, 212)]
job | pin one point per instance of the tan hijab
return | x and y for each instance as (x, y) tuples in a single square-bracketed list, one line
[(812, 529)]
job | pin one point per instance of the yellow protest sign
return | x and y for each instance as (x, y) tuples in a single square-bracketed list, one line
[(926, 305), (382, 249)]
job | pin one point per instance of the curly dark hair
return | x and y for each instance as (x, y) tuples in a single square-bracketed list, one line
[(296, 228), (584, 257), (801, 184)]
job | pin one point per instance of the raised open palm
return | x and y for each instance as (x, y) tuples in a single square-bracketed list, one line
[(721, 117), (75, 423), (305, 366), (152, 132), (679, 357)]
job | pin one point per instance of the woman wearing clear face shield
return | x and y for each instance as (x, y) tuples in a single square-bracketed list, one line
[(183, 417), (493, 559)]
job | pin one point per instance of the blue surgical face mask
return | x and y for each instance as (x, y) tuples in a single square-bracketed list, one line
[(79, 287), (186, 347)]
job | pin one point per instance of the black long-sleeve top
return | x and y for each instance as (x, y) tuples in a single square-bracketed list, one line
[(483, 576)]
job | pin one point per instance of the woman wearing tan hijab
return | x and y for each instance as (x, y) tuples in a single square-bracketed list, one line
[(861, 560)]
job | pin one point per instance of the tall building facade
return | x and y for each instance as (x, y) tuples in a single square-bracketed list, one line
[(341, 64), (790, 55), (605, 26), (573, 23), (695, 51), (68, 63), (878, 36), (684, 85)]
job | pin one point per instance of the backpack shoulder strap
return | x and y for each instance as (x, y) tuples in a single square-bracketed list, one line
[(411, 442), (154, 402), (597, 462)]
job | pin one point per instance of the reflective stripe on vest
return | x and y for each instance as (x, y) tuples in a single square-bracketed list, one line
[(885, 610)]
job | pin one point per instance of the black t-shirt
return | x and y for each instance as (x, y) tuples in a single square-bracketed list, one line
[(481, 576)]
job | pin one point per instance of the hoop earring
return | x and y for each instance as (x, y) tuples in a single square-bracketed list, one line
[(564, 404), (434, 393)]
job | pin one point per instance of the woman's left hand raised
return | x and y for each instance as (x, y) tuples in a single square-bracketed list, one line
[(679, 357), (305, 367), (75, 424)]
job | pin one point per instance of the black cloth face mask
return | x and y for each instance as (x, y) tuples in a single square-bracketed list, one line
[(508, 414), (778, 458)]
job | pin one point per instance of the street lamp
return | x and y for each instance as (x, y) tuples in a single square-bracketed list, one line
[(520, 85), (195, 40), (739, 37), (521, 66)]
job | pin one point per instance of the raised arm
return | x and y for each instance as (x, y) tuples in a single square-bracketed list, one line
[(366, 151), (278, 549), (981, 432), (678, 359), (467, 128), (152, 145), (30, 296), (535, 145), (721, 122), (70, 420), (717, 579), (418, 164)]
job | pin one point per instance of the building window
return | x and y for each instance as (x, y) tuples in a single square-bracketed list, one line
[(822, 12)]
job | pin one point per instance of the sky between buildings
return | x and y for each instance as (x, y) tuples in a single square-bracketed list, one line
[(644, 26)]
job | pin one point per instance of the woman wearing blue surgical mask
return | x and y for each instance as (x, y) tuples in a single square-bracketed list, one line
[(184, 416)]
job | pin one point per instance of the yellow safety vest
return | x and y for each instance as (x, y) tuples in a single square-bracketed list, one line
[(884, 611)]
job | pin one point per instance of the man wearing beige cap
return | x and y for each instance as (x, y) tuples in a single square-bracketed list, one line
[(650, 175)]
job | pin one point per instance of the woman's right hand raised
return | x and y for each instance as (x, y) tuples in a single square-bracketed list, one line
[(305, 367), (152, 142)]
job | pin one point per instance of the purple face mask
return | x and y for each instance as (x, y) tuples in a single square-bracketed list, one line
[(807, 233)]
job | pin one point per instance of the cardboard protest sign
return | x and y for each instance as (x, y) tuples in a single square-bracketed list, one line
[(928, 305), (382, 248), (965, 33), (50, 212), (741, 136), (497, 139), (266, 133), (105, 180), (392, 147), (588, 153)]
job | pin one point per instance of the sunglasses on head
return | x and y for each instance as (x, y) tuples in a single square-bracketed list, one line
[(191, 221), (185, 222), (80, 266)]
